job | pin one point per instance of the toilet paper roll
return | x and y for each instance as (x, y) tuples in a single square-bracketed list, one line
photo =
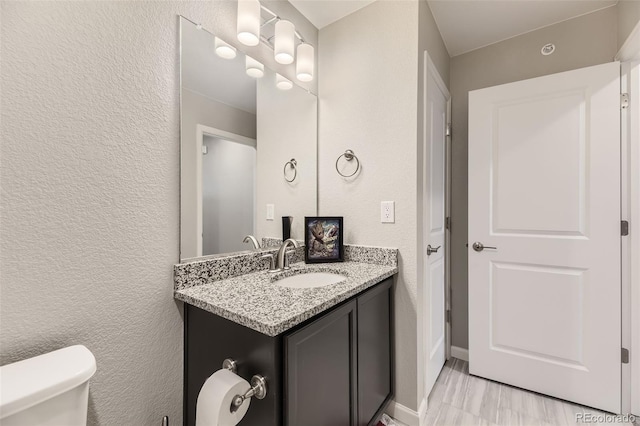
[(213, 407)]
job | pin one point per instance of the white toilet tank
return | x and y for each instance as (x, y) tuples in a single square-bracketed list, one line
[(47, 390)]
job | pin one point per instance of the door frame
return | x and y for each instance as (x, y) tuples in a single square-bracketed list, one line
[(629, 57), (201, 132), (429, 69), (447, 232)]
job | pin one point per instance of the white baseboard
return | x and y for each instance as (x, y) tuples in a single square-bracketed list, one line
[(422, 412), (403, 414), (407, 415), (460, 353)]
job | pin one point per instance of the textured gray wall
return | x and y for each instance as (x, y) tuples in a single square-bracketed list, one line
[(580, 42), (90, 192)]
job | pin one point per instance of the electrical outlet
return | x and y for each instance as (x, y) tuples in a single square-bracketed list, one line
[(387, 212), (270, 211)]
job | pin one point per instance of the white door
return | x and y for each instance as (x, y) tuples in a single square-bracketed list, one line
[(435, 125), (544, 190)]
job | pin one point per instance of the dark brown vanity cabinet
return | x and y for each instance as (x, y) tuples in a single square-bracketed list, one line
[(335, 369)]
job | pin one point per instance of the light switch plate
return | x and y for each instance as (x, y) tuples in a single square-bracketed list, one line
[(387, 212), (270, 211)]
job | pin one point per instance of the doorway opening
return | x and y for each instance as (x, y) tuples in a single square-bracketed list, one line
[(226, 190)]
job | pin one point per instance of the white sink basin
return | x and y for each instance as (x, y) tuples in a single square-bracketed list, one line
[(310, 280)]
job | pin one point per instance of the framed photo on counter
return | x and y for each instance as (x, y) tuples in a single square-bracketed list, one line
[(323, 239)]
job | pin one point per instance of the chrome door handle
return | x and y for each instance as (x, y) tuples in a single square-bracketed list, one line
[(432, 249), (478, 246)]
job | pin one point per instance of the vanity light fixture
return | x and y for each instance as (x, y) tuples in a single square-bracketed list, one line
[(304, 64), (254, 68), (248, 29), (283, 83), (252, 21), (224, 50), (284, 44)]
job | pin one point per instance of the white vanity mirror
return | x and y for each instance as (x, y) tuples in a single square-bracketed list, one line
[(239, 135)]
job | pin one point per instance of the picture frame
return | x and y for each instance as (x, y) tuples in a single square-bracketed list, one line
[(323, 239)]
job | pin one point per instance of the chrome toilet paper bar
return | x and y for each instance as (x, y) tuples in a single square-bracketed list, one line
[(258, 387)]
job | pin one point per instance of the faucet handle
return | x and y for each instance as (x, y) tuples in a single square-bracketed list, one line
[(272, 261), (286, 258)]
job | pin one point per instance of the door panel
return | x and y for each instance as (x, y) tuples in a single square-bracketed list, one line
[(520, 307), (520, 146), (544, 189), (435, 124)]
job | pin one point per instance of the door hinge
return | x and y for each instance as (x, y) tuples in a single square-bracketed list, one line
[(448, 316), (624, 228), (625, 356), (447, 223), (624, 100), (448, 131), (205, 151)]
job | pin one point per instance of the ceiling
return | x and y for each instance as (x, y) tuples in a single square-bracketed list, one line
[(324, 12), (467, 25)]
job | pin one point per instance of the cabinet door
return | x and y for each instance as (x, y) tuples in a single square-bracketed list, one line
[(320, 372), (375, 353)]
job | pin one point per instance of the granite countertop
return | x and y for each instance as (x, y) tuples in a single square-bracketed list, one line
[(255, 301)]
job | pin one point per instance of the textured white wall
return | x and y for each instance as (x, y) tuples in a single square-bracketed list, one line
[(90, 192), (580, 42), (368, 97)]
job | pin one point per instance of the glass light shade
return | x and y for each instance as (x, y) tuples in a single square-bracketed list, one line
[(224, 50), (248, 29), (283, 83), (254, 68), (284, 44), (304, 63)]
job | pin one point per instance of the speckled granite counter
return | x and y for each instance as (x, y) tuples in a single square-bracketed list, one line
[(255, 301)]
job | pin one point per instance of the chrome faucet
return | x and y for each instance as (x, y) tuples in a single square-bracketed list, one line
[(256, 244), (282, 262)]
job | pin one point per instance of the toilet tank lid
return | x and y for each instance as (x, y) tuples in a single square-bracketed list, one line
[(34, 380)]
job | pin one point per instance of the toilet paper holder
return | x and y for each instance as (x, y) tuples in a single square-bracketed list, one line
[(258, 387)]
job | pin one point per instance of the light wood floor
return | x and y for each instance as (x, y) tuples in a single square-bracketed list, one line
[(461, 399)]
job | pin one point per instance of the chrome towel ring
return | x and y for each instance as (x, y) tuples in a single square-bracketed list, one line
[(294, 165), (349, 156)]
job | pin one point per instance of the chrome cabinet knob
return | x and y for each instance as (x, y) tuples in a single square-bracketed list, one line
[(432, 249), (478, 246)]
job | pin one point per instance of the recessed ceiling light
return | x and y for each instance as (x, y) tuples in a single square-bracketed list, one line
[(548, 49)]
